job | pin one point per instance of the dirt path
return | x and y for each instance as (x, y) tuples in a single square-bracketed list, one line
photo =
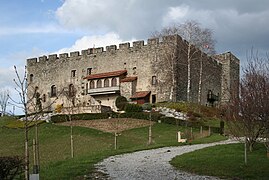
[(151, 164)]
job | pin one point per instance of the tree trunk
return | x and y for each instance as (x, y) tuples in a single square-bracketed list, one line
[(171, 93), (26, 158), (72, 142), (200, 80), (115, 140), (245, 150), (37, 148), (150, 130), (189, 74)]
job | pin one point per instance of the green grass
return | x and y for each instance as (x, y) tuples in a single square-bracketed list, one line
[(225, 161), (90, 145), (20, 124)]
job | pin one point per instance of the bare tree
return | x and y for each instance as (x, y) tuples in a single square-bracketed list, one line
[(30, 102), (199, 40), (4, 95), (165, 62), (248, 114), (70, 94)]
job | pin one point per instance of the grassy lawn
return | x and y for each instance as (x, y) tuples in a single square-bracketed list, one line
[(90, 145), (225, 161)]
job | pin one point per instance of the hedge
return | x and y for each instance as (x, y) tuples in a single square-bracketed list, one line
[(133, 108), (85, 116)]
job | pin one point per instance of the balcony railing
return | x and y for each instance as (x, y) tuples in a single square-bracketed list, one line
[(104, 90)]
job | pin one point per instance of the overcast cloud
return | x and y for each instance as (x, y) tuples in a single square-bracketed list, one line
[(238, 25)]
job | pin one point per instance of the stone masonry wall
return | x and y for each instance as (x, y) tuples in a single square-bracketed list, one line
[(139, 60)]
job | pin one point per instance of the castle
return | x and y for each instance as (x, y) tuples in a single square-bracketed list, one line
[(154, 72)]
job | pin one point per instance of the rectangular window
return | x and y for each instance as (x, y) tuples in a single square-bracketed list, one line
[(73, 73), (89, 71), (154, 80)]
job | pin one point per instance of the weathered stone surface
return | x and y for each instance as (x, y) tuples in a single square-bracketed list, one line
[(140, 60)]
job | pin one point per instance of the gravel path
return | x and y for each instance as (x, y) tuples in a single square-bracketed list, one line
[(151, 164)]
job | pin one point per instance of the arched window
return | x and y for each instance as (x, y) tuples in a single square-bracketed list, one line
[(53, 91), (71, 90), (99, 83), (31, 78), (114, 82), (106, 83), (154, 80), (92, 84)]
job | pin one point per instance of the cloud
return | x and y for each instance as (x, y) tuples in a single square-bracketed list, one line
[(128, 18), (32, 29), (93, 41), (236, 24)]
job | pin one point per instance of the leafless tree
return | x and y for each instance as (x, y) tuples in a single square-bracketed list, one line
[(30, 102), (70, 94), (248, 114), (4, 95), (165, 62), (199, 40)]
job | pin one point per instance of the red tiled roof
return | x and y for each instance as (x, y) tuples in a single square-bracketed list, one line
[(106, 75), (129, 79), (140, 94)]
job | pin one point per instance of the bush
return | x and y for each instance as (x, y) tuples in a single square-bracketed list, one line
[(85, 116), (121, 102), (147, 106), (133, 108), (10, 167)]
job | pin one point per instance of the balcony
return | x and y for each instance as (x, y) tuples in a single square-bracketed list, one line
[(103, 90)]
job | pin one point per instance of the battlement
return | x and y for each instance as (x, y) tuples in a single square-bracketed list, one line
[(225, 57), (136, 45)]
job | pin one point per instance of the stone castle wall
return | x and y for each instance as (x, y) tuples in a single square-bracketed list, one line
[(139, 60)]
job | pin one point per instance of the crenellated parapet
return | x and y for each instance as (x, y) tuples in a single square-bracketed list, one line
[(136, 45)]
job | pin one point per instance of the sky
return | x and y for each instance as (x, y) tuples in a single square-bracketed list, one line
[(32, 28)]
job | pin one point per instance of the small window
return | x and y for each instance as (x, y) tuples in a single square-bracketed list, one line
[(73, 73), (114, 82), (44, 98), (31, 78), (87, 87), (106, 83), (71, 90), (134, 70), (154, 80), (36, 88), (89, 71), (53, 91), (99, 83), (92, 84)]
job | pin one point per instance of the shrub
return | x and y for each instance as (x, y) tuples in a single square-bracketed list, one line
[(133, 108), (10, 167), (58, 108), (85, 116), (147, 106), (121, 102)]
